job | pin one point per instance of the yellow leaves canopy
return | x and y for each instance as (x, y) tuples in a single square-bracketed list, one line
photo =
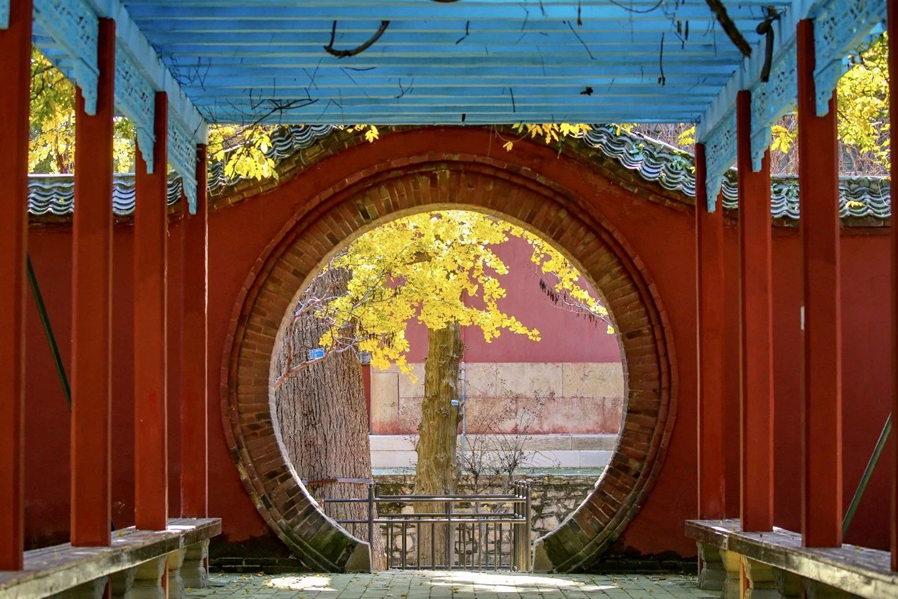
[(437, 268)]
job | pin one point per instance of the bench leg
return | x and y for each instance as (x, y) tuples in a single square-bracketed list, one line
[(175, 585), (788, 584), (147, 583), (121, 582), (732, 586), (193, 572), (761, 583), (713, 574), (818, 590), (89, 590)]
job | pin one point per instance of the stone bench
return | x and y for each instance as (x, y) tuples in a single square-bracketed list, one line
[(134, 564), (776, 565)]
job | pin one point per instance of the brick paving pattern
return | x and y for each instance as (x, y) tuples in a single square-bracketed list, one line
[(427, 585)]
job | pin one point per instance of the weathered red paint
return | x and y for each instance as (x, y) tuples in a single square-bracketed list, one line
[(663, 238), (756, 373), (195, 358), (92, 306), (893, 114), (15, 47), (711, 325), (818, 174), (150, 332)]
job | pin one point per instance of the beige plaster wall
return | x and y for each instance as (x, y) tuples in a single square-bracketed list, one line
[(504, 397)]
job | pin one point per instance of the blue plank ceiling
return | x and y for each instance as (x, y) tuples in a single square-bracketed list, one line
[(472, 61), (420, 62)]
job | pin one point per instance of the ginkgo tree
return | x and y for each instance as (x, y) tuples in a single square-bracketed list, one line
[(440, 270)]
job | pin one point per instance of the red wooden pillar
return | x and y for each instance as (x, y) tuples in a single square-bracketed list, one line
[(756, 329), (15, 48), (150, 351), (194, 336), (821, 409), (893, 118), (92, 306), (711, 348)]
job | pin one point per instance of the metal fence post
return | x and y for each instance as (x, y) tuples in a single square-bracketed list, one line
[(528, 517), (449, 551), (371, 520)]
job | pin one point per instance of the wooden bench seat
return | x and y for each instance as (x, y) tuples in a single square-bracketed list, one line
[(52, 570), (852, 569)]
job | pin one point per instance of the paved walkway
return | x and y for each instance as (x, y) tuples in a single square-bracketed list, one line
[(449, 585)]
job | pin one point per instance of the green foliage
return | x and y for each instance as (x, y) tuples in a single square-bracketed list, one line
[(51, 144), (863, 96)]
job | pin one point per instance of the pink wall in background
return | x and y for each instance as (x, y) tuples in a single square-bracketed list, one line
[(566, 337)]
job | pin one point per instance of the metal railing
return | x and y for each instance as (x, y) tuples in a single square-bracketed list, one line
[(468, 532)]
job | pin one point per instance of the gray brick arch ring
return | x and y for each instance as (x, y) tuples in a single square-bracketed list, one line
[(395, 188)]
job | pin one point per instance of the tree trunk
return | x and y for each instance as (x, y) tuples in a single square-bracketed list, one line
[(437, 470), (323, 420)]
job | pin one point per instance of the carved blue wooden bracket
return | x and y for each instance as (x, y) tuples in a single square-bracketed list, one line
[(182, 157), (771, 100), (136, 98), (720, 154), (4, 14), (73, 25), (839, 26)]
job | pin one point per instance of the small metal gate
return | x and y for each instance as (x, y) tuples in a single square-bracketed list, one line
[(480, 532)]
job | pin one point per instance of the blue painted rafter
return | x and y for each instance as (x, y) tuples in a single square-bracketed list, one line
[(478, 61)]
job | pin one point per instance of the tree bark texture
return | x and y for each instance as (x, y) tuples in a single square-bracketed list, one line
[(323, 421), (437, 471)]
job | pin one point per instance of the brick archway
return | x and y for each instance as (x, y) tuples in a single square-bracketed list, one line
[(388, 190)]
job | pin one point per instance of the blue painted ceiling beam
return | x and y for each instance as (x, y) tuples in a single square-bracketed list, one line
[(374, 12), (280, 39), (530, 96), (418, 31), (334, 116), (535, 55), (505, 60)]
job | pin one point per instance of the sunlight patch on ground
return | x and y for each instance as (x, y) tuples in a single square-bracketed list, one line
[(473, 582), (307, 582), (451, 585)]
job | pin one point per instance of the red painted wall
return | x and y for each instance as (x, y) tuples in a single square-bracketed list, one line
[(663, 239)]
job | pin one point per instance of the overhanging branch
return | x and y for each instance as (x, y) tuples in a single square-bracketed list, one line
[(729, 27), (358, 49)]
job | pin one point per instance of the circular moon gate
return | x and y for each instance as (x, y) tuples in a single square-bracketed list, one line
[(389, 190)]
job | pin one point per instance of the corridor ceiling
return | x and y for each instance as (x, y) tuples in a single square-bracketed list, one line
[(461, 62), (430, 62)]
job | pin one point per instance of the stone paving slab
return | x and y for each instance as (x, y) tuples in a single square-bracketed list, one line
[(450, 585)]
